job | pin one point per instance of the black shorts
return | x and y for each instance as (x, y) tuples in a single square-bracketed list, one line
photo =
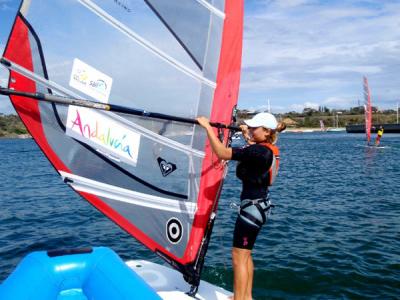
[(253, 214), (245, 234)]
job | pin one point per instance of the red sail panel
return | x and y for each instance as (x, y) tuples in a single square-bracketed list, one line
[(19, 51), (225, 98), (368, 110)]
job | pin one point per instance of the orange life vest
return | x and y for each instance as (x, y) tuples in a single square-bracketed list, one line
[(273, 170)]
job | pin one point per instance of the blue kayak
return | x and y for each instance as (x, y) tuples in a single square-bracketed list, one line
[(92, 273)]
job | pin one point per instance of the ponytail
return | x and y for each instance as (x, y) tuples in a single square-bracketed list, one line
[(273, 137), (281, 127)]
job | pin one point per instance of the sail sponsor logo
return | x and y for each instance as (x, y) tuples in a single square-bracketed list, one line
[(90, 81), (174, 230), (166, 168), (103, 133)]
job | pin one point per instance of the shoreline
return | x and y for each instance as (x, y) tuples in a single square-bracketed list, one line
[(313, 129), (16, 136), (288, 130)]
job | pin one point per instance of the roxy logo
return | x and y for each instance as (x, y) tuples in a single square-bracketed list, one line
[(166, 167)]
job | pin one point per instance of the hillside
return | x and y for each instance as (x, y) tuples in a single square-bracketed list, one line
[(310, 118), (11, 126)]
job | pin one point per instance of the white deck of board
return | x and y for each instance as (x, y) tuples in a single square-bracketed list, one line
[(170, 284)]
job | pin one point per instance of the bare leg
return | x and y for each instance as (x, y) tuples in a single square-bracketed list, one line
[(240, 258), (250, 272)]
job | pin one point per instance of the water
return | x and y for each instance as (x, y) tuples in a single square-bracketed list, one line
[(334, 234)]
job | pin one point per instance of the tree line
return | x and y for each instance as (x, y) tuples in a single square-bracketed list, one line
[(311, 117), (11, 126)]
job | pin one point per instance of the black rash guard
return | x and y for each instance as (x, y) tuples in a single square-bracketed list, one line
[(254, 164)]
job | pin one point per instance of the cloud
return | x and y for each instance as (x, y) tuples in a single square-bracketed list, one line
[(3, 76), (345, 69), (296, 53), (7, 5), (297, 50), (300, 107), (332, 102), (3, 81), (338, 102), (291, 3), (5, 106)]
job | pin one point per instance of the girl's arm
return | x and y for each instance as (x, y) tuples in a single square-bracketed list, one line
[(219, 149)]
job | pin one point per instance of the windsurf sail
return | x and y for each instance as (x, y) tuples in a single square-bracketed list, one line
[(367, 110), (156, 178), (322, 125)]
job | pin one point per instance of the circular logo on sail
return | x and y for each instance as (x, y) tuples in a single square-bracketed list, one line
[(174, 230)]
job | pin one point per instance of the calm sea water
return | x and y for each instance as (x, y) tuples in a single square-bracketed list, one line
[(334, 234)]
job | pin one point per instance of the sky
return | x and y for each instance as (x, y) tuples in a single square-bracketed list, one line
[(305, 53)]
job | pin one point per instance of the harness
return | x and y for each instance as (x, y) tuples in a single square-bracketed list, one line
[(247, 203)]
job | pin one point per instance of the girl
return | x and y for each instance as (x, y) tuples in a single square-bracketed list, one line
[(257, 168)]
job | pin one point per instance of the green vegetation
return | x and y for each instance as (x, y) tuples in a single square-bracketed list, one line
[(310, 117), (11, 126)]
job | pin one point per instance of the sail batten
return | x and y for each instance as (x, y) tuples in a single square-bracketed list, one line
[(123, 195), (161, 139)]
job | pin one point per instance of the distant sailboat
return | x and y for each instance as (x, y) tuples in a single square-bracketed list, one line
[(367, 110), (322, 125)]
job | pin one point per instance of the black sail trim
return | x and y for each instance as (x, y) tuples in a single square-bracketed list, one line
[(174, 34)]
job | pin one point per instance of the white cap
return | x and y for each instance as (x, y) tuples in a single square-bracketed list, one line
[(265, 120)]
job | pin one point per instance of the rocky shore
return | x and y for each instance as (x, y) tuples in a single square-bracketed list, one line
[(16, 136)]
